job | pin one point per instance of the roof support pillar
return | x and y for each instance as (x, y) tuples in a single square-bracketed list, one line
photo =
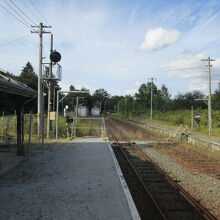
[(20, 125)]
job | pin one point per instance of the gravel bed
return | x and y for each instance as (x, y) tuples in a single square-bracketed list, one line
[(202, 187)]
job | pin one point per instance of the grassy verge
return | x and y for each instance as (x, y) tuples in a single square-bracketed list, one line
[(173, 120)]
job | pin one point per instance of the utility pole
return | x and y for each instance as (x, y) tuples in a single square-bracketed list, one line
[(77, 106), (118, 107), (125, 105), (49, 88), (151, 98), (41, 31), (134, 98), (209, 100), (105, 107)]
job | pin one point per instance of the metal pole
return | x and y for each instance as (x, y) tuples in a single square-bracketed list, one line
[(151, 100), (77, 106), (104, 128), (42, 123), (192, 117), (105, 107), (118, 108), (57, 114), (39, 106), (133, 104), (29, 139), (54, 96), (210, 99), (49, 89), (125, 106)]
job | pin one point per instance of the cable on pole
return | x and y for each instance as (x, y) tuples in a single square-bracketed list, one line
[(1, 45), (23, 12), (27, 25), (38, 11), (33, 13), (10, 6)]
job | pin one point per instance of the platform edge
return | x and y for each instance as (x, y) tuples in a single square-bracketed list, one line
[(130, 201)]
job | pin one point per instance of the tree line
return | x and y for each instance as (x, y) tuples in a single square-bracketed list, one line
[(140, 103)]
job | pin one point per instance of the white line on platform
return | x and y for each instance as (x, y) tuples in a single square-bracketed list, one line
[(133, 209)]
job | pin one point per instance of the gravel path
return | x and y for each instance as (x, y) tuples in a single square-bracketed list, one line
[(202, 187)]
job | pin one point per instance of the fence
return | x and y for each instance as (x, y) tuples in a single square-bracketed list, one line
[(78, 127)]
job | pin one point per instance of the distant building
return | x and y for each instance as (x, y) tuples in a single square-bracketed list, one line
[(95, 111), (83, 111)]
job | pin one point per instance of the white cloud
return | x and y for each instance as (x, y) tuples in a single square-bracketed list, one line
[(159, 38), (188, 67), (194, 70), (137, 83), (198, 84), (131, 91)]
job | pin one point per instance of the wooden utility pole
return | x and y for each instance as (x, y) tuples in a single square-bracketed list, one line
[(118, 107), (49, 88), (125, 105), (39, 104), (210, 93), (151, 98)]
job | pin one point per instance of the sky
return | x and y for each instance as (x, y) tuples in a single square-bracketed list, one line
[(118, 44)]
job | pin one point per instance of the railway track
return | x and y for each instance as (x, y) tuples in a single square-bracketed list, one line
[(156, 195)]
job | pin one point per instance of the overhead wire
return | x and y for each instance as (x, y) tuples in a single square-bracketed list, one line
[(5, 44), (33, 13), (25, 24), (38, 11), (12, 9), (23, 12), (2, 30)]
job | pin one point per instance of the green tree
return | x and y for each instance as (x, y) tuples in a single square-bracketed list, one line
[(144, 94), (185, 101), (216, 98), (28, 76), (101, 95), (165, 98)]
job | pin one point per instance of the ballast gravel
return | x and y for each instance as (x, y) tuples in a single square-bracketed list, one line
[(203, 188)]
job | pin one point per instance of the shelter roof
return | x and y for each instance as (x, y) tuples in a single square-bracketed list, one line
[(10, 84)]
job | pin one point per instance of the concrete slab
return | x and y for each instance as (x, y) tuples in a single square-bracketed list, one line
[(87, 139), (69, 181), (8, 160)]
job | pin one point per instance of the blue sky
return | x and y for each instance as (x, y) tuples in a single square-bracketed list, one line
[(118, 45)]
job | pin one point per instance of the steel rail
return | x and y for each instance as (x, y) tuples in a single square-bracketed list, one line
[(141, 181), (206, 214), (182, 191)]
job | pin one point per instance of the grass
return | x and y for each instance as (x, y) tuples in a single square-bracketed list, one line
[(8, 128), (173, 119)]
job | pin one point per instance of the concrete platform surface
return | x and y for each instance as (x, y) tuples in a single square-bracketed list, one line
[(69, 181)]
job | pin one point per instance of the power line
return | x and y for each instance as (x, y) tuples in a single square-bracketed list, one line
[(13, 35), (38, 11), (14, 16), (32, 11), (2, 45), (11, 7), (22, 12), (2, 30)]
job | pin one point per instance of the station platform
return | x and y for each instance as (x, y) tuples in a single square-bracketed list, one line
[(76, 180)]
